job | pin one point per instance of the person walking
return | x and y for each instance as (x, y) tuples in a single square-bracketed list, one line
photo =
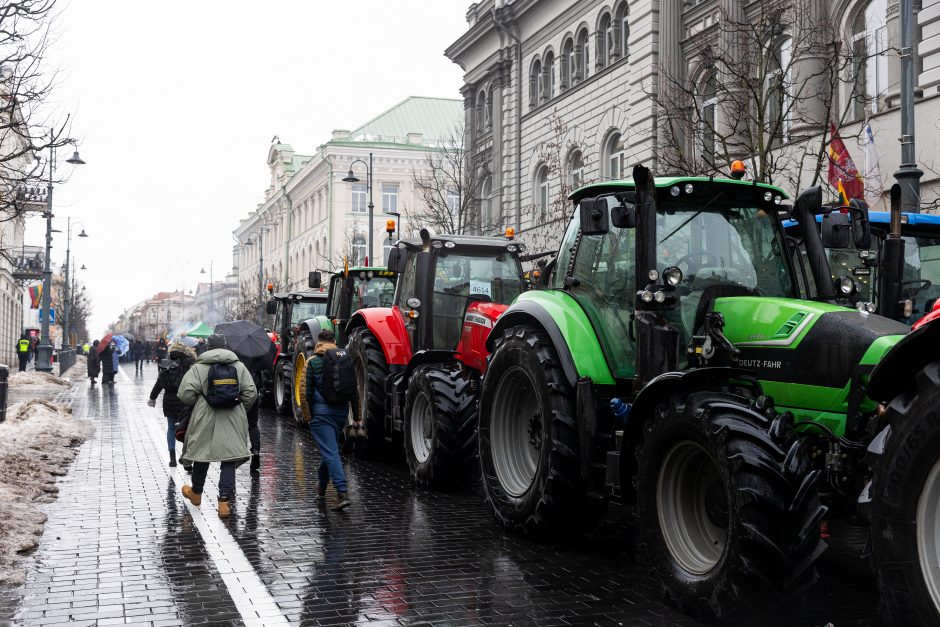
[(108, 364), (201, 346), (94, 362), (22, 351), (254, 434), (140, 355), (328, 419), (219, 388), (168, 381), (161, 350)]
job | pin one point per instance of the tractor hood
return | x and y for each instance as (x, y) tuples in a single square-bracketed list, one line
[(806, 352)]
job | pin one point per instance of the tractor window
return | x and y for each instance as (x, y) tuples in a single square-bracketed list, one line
[(604, 267), (458, 279), (565, 252), (406, 281), (374, 292), (921, 280), (336, 294), (304, 310)]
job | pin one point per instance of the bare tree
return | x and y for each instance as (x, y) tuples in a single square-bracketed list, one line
[(246, 304), (765, 90), (448, 190)]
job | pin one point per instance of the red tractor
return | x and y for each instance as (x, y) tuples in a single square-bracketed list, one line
[(419, 362)]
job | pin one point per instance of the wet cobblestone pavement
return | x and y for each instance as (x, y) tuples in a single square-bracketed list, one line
[(123, 547)]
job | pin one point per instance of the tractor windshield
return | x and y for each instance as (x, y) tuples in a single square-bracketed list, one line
[(304, 310), (460, 278), (375, 292)]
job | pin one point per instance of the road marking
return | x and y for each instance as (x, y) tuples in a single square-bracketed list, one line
[(248, 592)]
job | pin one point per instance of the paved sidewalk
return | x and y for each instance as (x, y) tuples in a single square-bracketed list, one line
[(123, 546)]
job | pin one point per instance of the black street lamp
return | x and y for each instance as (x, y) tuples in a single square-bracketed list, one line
[(44, 348), (203, 271), (66, 314), (352, 178)]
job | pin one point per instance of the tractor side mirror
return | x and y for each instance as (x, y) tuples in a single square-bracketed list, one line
[(314, 280), (271, 307), (861, 227), (594, 216), (624, 216), (397, 259), (836, 230)]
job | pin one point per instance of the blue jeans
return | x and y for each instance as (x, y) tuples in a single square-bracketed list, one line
[(171, 433), (326, 429)]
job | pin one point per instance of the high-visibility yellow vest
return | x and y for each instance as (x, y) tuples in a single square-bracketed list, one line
[(23, 346)]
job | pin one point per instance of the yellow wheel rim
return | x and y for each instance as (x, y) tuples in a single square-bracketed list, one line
[(300, 365)]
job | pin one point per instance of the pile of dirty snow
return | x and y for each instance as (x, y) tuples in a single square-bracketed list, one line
[(34, 377), (37, 442), (78, 371)]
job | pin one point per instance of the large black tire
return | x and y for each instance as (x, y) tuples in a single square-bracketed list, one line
[(371, 371), (905, 506), (281, 389), (528, 439), (303, 351), (727, 506), (440, 426)]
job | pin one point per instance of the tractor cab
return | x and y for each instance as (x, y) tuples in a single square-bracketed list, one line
[(353, 289), (291, 309)]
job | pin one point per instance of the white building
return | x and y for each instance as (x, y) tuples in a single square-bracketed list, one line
[(562, 92), (311, 219)]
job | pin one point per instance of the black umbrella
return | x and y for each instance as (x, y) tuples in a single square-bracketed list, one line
[(250, 342)]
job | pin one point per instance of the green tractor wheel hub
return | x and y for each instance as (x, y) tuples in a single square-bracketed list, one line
[(514, 440), (928, 533), (692, 508)]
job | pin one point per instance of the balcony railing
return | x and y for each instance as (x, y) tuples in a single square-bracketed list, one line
[(28, 263), (31, 197)]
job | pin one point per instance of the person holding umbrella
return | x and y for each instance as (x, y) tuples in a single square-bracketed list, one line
[(107, 350)]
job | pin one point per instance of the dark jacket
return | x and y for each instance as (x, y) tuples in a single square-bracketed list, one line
[(201, 347), (317, 405), (173, 407), (107, 363), (94, 363)]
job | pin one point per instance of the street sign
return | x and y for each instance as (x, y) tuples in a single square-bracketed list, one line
[(51, 315)]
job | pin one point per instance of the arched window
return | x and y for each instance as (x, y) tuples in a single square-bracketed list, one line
[(548, 77), (778, 86), (486, 204), (869, 59), (535, 84), (542, 190), (482, 112), (567, 64), (605, 41), (614, 156), (575, 169), (584, 52), (358, 251), (622, 29), (709, 120)]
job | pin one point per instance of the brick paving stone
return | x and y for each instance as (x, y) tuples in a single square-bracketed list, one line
[(121, 545)]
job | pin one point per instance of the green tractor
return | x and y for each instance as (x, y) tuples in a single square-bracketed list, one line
[(671, 363)]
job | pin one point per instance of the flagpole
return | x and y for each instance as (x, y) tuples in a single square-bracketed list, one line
[(908, 175)]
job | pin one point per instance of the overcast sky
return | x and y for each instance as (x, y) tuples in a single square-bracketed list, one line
[(175, 104)]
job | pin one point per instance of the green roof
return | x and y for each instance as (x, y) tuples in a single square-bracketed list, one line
[(667, 181), (437, 119)]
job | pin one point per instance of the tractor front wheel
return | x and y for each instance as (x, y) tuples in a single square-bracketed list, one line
[(371, 371), (281, 390), (440, 426), (727, 507), (528, 439), (905, 514), (303, 352)]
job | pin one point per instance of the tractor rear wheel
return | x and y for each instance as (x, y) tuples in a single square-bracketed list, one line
[(905, 514), (371, 371), (281, 389), (440, 426), (727, 507), (528, 439), (303, 351)]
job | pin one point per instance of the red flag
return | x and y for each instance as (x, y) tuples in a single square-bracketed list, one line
[(842, 168), (35, 295)]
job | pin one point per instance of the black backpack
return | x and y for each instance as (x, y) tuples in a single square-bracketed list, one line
[(222, 386), (338, 380)]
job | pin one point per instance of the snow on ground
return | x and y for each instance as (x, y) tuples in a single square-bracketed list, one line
[(34, 377), (37, 442), (79, 371)]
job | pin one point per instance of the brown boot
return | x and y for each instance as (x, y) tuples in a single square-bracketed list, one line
[(195, 499), (224, 510)]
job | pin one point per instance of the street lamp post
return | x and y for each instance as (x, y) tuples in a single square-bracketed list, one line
[(259, 238), (351, 178), (908, 175), (203, 271), (44, 348), (67, 304)]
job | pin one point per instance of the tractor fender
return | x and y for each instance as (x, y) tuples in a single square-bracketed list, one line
[(895, 373), (428, 356), (670, 383), (528, 312), (314, 325), (388, 327)]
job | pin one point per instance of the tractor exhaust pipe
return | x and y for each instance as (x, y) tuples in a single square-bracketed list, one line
[(891, 259), (805, 208)]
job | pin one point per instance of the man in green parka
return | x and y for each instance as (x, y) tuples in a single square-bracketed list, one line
[(216, 434)]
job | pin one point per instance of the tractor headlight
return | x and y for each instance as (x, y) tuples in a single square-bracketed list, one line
[(370, 274), (768, 196), (845, 285), (362, 275), (659, 296), (413, 302), (675, 191), (653, 275), (865, 308), (437, 244), (522, 248), (688, 188), (449, 244), (512, 248), (672, 276), (646, 296)]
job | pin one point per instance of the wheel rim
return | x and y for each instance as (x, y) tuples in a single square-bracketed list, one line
[(692, 508), (421, 428), (278, 390), (299, 362), (928, 533), (515, 431)]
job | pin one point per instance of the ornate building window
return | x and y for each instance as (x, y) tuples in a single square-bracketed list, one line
[(548, 78), (869, 56), (535, 84), (568, 64)]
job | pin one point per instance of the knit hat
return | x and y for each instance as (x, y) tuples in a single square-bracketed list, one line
[(216, 341)]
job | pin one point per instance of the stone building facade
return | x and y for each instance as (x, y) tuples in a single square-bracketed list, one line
[(562, 92), (312, 219)]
